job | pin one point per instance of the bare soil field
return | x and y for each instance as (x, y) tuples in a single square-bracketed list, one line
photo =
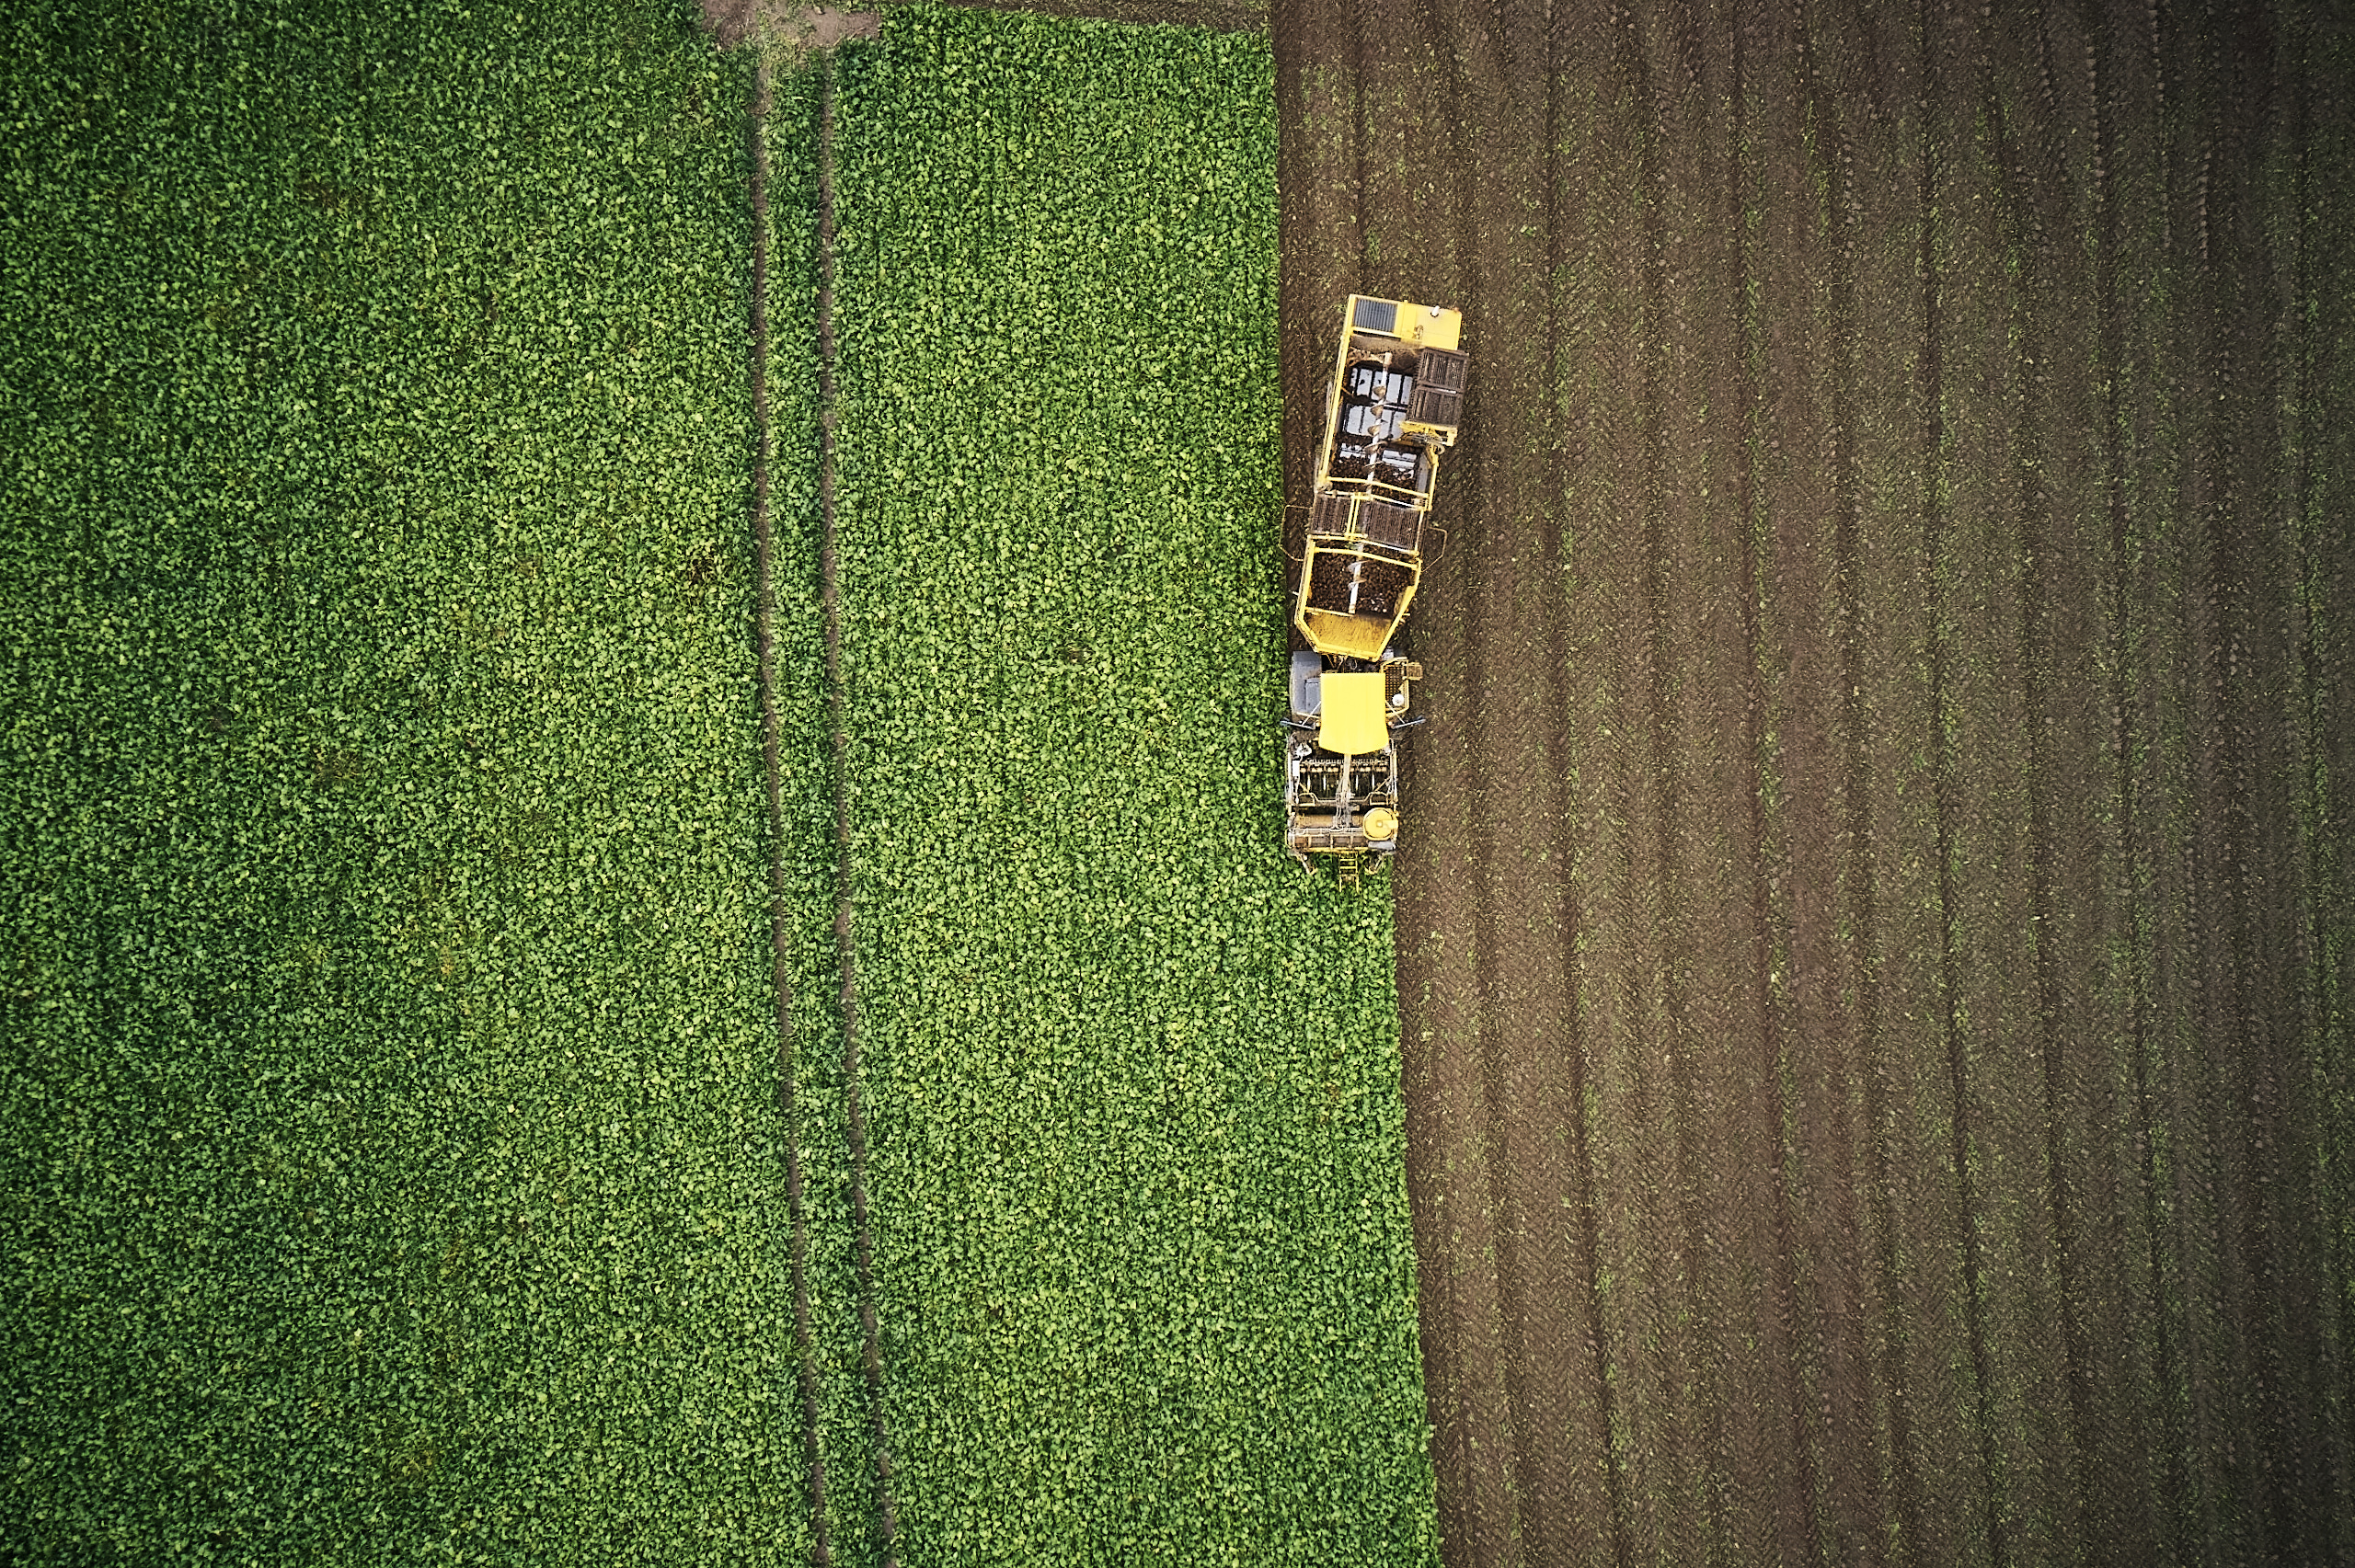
[(1874, 940)]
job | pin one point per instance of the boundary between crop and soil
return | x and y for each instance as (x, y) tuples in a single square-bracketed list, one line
[(780, 920)]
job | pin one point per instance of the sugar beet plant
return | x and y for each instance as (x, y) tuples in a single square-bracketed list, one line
[(1142, 1264), (388, 1168)]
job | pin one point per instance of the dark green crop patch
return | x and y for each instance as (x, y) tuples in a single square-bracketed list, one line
[(395, 1131), (391, 1165)]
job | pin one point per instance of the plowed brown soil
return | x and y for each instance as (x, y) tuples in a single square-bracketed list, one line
[(1875, 936)]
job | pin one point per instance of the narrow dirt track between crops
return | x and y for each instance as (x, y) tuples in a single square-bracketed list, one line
[(1874, 934), (829, 598), (780, 922)]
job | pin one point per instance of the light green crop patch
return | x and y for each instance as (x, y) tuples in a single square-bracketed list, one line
[(1144, 1267)]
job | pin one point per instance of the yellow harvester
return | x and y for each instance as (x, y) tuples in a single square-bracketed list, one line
[(1393, 409)]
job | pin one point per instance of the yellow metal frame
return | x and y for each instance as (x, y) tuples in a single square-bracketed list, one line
[(1424, 326), (1357, 719), (1352, 636)]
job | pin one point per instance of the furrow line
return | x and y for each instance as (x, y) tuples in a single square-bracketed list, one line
[(1589, 1357), (2132, 165), (2178, 589), (1797, 1520), (2038, 562), (1506, 55), (1642, 1345), (1882, 714), (1853, 1442), (2223, 1378), (2257, 655), (2320, 195), (1674, 1475), (1937, 573), (1477, 527), (1682, 572)]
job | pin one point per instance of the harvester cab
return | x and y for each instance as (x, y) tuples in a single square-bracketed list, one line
[(1392, 408)]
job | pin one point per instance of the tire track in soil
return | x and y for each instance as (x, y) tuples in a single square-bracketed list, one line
[(1480, 517), (1984, 1502), (1801, 496), (1922, 1302), (1878, 550), (1973, 927), (2254, 813), (838, 702), (1686, 580), (1674, 1482), (2207, 1084), (1524, 924), (1617, 829), (2281, 217), (1318, 132), (1574, 1419), (780, 920), (2291, 1181), (1854, 1447), (2074, 817), (1580, 1408), (1500, 515), (2038, 1350), (2000, 948), (2144, 207), (2144, 1356), (2166, 585), (1773, 1462), (1592, 1416), (2077, 814), (2325, 423)]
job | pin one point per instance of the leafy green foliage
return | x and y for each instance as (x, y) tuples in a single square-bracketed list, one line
[(390, 1164), (1144, 1267), (810, 887)]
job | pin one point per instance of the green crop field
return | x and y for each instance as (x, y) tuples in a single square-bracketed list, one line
[(1144, 1278), (441, 1119), (389, 1166)]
